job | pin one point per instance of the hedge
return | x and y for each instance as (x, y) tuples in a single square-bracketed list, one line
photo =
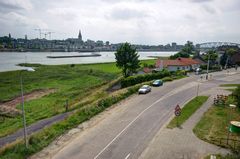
[(132, 80)]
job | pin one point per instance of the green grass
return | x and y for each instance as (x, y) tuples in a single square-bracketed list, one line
[(41, 139), (229, 85), (151, 61), (214, 125), (72, 83), (187, 111)]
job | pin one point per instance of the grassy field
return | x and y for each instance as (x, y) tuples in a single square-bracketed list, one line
[(75, 83), (187, 111), (41, 139), (70, 82), (214, 126)]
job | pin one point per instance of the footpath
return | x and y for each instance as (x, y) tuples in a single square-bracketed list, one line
[(181, 143), (33, 128)]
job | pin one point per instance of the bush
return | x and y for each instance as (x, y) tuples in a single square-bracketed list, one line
[(236, 94), (132, 80), (214, 67), (165, 79)]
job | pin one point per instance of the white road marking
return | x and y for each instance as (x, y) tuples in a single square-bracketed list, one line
[(183, 87), (127, 156)]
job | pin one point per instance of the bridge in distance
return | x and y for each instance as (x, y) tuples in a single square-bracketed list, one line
[(211, 45)]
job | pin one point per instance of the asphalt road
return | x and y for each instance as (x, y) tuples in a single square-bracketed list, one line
[(126, 132), (33, 128)]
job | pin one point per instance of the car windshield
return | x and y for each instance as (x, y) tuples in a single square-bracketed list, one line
[(144, 87)]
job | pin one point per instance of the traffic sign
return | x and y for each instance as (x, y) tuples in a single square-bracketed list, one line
[(177, 108), (177, 113)]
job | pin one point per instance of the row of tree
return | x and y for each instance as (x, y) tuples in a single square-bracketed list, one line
[(127, 57)]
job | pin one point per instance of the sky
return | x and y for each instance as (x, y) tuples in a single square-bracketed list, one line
[(151, 22)]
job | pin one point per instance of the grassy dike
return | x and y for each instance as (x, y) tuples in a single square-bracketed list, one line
[(76, 83), (41, 139), (69, 82), (190, 108)]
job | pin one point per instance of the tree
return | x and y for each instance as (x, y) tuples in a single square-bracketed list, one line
[(236, 93), (186, 51), (179, 54), (212, 56), (127, 59), (188, 48), (230, 52), (223, 59)]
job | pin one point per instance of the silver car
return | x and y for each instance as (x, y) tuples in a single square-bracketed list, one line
[(144, 89)]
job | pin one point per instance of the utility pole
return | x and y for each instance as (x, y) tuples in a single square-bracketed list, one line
[(23, 112), (207, 66), (197, 88)]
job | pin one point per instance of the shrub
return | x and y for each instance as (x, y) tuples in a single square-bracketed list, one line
[(211, 67), (167, 79), (236, 94), (132, 80)]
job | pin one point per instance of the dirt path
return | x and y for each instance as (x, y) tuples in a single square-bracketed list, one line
[(33, 95), (9, 107)]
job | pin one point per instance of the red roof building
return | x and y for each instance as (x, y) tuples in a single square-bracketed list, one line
[(177, 64)]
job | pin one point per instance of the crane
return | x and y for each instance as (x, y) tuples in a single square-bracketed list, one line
[(47, 33), (50, 34), (40, 32)]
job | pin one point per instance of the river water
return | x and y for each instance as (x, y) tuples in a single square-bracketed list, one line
[(9, 60)]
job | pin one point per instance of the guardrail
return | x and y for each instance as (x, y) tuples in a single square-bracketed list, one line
[(228, 143)]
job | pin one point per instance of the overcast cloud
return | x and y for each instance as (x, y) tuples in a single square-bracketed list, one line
[(136, 21)]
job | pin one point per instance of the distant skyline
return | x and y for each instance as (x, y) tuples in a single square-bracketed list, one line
[(136, 21)]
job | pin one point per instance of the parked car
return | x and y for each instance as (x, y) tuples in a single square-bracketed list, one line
[(157, 83), (198, 70), (144, 89)]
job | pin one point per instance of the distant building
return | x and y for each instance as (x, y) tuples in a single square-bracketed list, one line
[(80, 36), (174, 45)]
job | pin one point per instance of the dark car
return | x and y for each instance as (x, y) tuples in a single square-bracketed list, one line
[(144, 89), (157, 83)]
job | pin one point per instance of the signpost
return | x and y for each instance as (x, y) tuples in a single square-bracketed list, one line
[(177, 112)]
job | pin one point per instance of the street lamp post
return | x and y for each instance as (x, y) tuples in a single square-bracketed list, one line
[(232, 106), (23, 111), (207, 66)]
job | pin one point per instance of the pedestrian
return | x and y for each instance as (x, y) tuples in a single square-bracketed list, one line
[(236, 67)]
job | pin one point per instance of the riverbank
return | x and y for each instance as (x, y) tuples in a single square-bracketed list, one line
[(41, 139), (71, 83), (9, 60)]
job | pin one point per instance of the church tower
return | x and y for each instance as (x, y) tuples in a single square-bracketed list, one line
[(80, 35)]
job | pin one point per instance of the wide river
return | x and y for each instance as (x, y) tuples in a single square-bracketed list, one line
[(9, 60)]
